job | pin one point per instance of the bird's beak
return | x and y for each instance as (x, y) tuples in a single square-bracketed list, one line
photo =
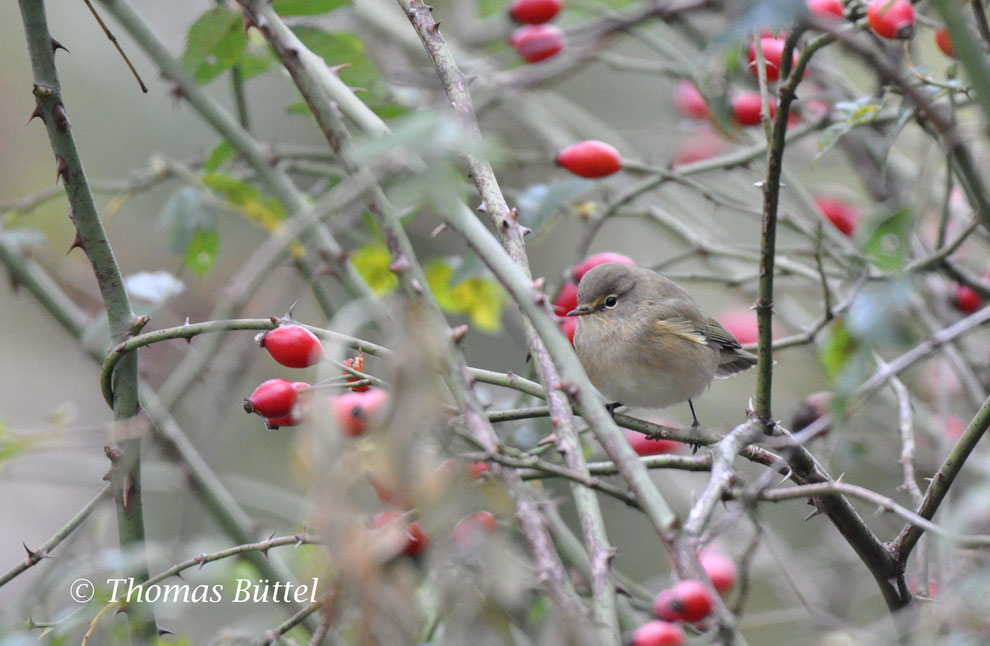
[(581, 310)]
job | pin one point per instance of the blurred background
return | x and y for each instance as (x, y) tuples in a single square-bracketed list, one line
[(806, 584)]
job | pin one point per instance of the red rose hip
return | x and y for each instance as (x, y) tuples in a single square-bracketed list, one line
[(891, 18), (944, 42), (748, 109), (842, 214), (534, 12), (773, 53), (355, 412), (642, 445), (566, 299), (594, 260), (966, 299), (535, 43), (293, 346), (272, 399), (690, 101), (416, 540), (825, 8), (720, 569), (591, 159), (658, 633), (688, 601)]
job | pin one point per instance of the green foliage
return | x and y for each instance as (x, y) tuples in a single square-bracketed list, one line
[(220, 155), (214, 44), (191, 225), (886, 239), (246, 200), (846, 116), (306, 7), (10, 445), (345, 50)]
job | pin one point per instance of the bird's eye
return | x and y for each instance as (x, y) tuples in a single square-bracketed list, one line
[(611, 301)]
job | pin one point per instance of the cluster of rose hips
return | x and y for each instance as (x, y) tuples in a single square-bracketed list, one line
[(892, 19), (286, 403), (414, 540), (536, 39), (689, 601)]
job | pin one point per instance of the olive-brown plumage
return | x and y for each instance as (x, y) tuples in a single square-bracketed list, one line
[(644, 341)]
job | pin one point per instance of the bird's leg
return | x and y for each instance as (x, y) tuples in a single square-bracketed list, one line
[(695, 427), (611, 408)]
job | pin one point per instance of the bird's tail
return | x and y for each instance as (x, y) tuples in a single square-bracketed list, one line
[(733, 361)]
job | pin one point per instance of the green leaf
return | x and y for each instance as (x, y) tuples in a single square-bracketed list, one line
[(372, 262), (246, 200), (222, 153), (306, 7), (184, 215), (345, 50), (201, 252), (214, 43), (886, 239), (10, 445), (837, 349)]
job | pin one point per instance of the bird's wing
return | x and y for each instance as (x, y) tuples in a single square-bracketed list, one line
[(733, 358), (718, 336)]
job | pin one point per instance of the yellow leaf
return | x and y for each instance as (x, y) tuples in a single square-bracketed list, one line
[(438, 275), (372, 262)]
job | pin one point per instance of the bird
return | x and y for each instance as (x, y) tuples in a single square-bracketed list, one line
[(644, 342)]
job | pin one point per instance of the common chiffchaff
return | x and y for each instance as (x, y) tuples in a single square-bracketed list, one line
[(644, 342)]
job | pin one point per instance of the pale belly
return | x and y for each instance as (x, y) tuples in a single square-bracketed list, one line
[(671, 374)]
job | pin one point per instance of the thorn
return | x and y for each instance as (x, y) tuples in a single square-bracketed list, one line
[(179, 575), (201, 559), (119, 609), (186, 324), (482, 208), (435, 27), (416, 286), (164, 631), (61, 167), (787, 476), (458, 333), (77, 243), (129, 486), (139, 323), (525, 230), (106, 477), (440, 229), (400, 265), (274, 319), (540, 283), (33, 556), (61, 119), (812, 515), (336, 69), (36, 114)]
